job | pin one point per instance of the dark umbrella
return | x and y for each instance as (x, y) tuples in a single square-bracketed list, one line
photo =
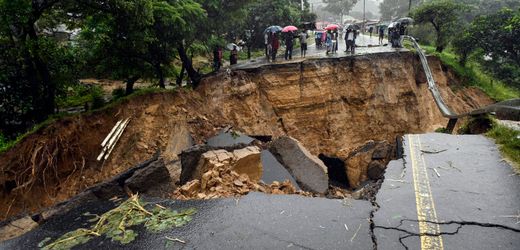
[(405, 20), (352, 26), (274, 28)]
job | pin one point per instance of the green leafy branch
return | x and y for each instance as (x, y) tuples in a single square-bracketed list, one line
[(114, 224)]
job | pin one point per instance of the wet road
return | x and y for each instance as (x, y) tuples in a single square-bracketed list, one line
[(366, 45), (256, 221), (449, 192)]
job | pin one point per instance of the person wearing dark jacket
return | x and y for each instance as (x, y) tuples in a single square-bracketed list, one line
[(289, 42), (275, 44), (350, 40), (233, 56)]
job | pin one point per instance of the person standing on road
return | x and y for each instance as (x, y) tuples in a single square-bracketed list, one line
[(350, 40), (217, 58), (381, 34), (328, 42), (233, 56), (289, 42), (275, 44), (303, 43), (266, 44)]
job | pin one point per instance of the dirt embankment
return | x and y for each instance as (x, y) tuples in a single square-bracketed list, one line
[(332, 106)]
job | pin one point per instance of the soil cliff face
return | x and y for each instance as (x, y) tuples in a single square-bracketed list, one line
[(332, 106), (336, 105)]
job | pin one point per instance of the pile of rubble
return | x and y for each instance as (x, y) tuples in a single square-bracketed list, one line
[(228, 174)]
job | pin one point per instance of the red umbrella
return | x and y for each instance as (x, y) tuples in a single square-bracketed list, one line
[(289, 28), (332, 27)]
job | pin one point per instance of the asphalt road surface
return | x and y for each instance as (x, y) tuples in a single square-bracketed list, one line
[(447, 192)]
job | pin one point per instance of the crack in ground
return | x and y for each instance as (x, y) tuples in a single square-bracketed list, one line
[(460, 224)]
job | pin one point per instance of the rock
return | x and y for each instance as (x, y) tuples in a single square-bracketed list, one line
[(383, 151), (359, 160), (376, 170), (274, 171), (144, 179), (357, 164), (248, 161), (17, 228), (180, 140), (191, 188), (309, 171), (190, 168)]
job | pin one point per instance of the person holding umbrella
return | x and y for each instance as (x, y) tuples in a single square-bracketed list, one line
[(289, 41)]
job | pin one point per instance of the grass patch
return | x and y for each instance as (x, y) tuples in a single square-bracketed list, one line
[(242, 55), (509, 143), (79, 95), (473, 75)]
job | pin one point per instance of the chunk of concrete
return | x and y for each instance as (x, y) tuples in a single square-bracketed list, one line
[(274, 171), (308, 170), (190, 167), (180, 140), (248, 161), (376, 169), (147, 178)]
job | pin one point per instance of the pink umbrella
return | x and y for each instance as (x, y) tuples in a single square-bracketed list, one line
[(289, 29), (332, 27)]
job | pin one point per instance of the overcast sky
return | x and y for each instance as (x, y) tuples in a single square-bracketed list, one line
[(371, 7)]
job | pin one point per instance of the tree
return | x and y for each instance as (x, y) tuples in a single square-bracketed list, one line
[(495, 37), (139, 38), (339, 7), (392, 9), (443, 15)]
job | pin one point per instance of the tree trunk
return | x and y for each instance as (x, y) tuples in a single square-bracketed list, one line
[(188, 65), (43, 72), (160, 74), (180, 76), (130, 84)]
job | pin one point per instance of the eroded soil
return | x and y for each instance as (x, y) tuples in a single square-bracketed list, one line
[(333, 106)]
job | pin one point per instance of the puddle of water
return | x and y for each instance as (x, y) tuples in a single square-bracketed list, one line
[(274, 171)]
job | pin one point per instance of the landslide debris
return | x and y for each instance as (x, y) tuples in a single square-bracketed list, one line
[(231, 174), (332, 106)]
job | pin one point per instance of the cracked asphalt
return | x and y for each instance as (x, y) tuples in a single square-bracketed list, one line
[(447, 192), (475, 194)]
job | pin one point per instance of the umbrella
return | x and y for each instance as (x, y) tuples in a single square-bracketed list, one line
[(274, 28), (352, 26), (231, 45), (289, 29), (392, 25), (405, 20), (332, 27)]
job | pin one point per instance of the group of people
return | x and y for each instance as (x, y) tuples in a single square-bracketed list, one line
[(272, 44), (328, 38)]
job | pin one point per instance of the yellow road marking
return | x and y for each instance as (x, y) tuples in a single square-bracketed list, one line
[(424, 199)]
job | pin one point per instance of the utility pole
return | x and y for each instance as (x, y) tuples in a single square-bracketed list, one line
[(302, 6), (409, 7), (364, 5)]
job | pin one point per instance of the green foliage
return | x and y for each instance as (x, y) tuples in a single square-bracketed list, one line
[(79, 95), (509, 141), (494, 40), (115, 224), (392, 9), (472, 74), (442, 130), (339, 7), (443, 15)]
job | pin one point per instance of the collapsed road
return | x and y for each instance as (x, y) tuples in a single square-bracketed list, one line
[(421, 202)]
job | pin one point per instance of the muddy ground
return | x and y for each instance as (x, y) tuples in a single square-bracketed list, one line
[(333, 106)]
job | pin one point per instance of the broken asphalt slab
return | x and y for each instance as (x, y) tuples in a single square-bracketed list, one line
[(254, 221), (475, 196)]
